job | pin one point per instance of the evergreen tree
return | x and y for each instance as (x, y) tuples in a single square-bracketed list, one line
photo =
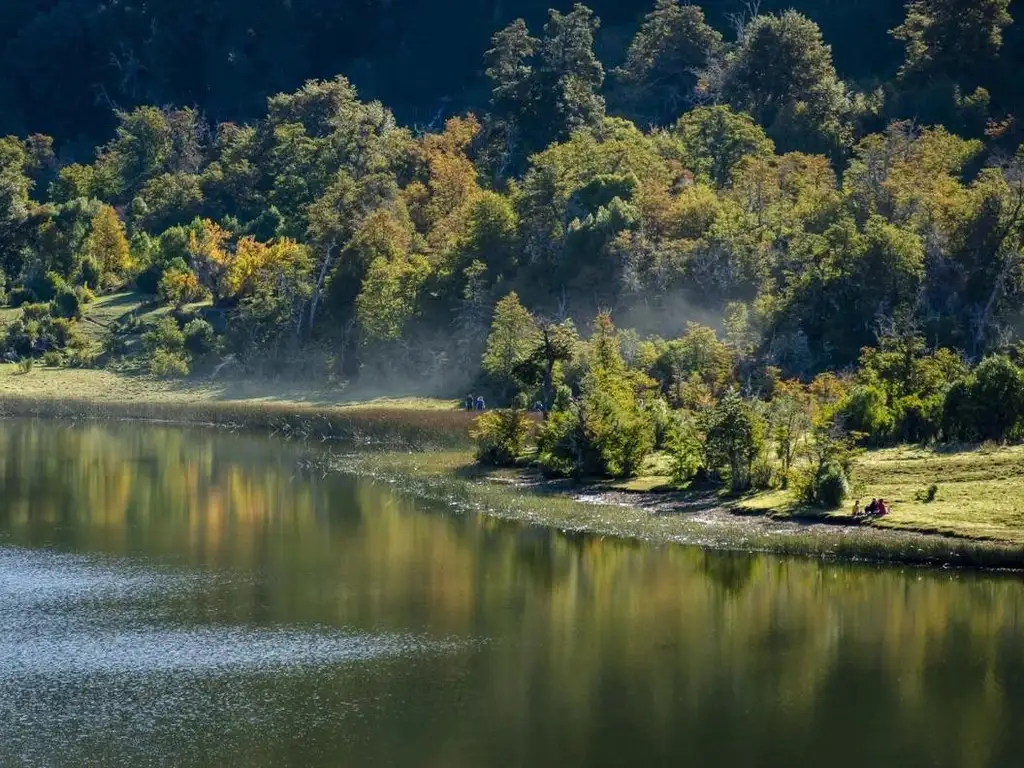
[(512, 340), (781, 73), (958, 39), (569, 74), (662, 68)]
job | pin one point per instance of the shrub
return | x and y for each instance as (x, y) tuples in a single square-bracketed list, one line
[(200, 338), (165, 336), (25, 365), (762, 475), (21, 296), (167, 364), (831, 486), (53, 358), (90, 275), (80, 358), (47, 286), (501, 436), (35, 311), (562, 444), (928, 495), (38, 331), (66, 304)]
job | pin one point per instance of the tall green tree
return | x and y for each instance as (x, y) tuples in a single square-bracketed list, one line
[(715, 139), (512, 340), (665, 59), (959, 39), (781, 73)]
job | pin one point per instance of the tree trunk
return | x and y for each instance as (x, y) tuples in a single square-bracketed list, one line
[(314, 301)]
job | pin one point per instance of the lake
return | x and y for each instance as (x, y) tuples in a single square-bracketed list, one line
[(175, 597)]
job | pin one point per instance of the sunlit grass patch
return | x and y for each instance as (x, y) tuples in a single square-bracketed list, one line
[(979, 494)]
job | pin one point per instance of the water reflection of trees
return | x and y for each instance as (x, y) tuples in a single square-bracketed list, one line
[(666, 643)]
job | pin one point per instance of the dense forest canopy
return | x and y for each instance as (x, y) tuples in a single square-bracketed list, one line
[(67, 63), (755, 194)]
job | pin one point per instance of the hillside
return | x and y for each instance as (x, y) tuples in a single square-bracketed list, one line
[(68, 62)]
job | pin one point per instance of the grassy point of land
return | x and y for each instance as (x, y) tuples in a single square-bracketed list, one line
[(695, 518)]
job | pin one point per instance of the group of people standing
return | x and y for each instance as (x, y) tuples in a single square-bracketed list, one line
[(475, 403)]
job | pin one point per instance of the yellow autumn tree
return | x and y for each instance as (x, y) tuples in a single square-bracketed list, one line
[(108, 244), (210, 258), (257, 263)]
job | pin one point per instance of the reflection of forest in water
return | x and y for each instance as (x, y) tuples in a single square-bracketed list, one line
[(594, 645)]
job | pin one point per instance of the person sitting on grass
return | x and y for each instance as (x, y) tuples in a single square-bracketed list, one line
[(871, 508), (856, 508), (881, 509)]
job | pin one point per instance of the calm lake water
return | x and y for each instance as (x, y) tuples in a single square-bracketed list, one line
[(190, 598)]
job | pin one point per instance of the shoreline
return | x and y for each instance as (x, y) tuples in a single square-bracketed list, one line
[(426, 452), (673, 518)]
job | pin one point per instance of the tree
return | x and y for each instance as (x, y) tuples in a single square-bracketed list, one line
[(108, 243), (735, 438), (715, 139), (789, 419), (543, 90), (957, 39), (273, 289), (569, 74), (558, 343), (179, 286), (208, 254), (997, 398), (387, 300), (618, 428), (782, 74), (512, 340), (511, 73), (664, 60)]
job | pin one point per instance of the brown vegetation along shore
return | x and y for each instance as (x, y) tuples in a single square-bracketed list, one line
[(410, 428)]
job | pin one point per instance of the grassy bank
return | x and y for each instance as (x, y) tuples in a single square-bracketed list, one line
[(978, 494), (690, 518)]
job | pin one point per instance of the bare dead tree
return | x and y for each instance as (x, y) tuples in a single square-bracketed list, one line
[(740, 20)]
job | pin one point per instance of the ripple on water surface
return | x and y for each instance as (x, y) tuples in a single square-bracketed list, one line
[(93, 671)]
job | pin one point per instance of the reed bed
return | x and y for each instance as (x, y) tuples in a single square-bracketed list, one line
[(408, 428)]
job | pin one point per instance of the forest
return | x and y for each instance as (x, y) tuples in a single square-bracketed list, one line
[(782, 242)]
